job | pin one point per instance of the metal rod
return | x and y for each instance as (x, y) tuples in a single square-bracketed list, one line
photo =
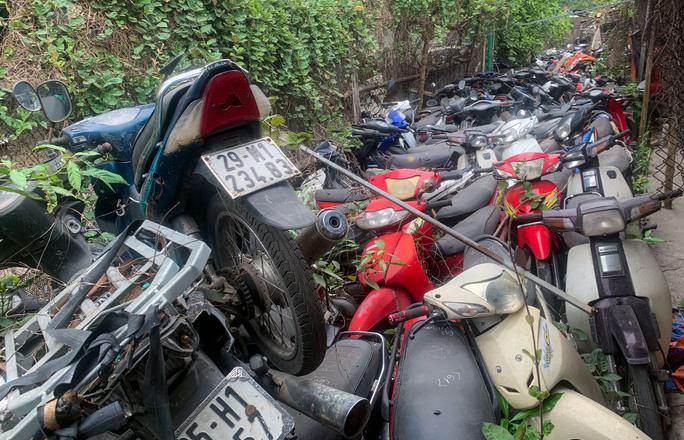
[(467, 241)]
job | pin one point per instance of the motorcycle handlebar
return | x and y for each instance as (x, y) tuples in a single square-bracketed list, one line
[(529, 218), (405, 315)]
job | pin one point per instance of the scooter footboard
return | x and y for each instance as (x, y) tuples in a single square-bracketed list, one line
[(578, 417), (440, 392)]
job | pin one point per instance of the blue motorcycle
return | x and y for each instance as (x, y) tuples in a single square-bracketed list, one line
[(196, 160)]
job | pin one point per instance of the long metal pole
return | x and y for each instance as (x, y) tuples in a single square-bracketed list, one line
[(447, 230)]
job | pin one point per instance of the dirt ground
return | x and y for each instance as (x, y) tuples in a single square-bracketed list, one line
[(670, 256)]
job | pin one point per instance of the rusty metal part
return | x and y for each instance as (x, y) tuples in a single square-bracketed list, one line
[(344, 412), (458, 236)]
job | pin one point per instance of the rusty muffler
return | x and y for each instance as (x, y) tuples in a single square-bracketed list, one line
[(344, 412), (330, 228)]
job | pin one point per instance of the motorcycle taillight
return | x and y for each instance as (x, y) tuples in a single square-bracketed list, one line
[(228, 102)]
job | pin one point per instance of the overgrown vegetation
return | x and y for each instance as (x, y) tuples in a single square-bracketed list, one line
[(302, 52)]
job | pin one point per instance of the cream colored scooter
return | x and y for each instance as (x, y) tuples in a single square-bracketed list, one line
[(488, 302)]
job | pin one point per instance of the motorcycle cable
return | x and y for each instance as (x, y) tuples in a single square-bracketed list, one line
[(576, 302)]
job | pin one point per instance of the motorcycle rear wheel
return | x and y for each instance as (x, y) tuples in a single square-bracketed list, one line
[(643, 399), (287, 325)]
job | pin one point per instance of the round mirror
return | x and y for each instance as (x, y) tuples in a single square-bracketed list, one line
[(26, 95), (55, 99), (461, 84)]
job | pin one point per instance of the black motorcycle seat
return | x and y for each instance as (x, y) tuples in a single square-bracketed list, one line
[(351, 365), (435, 156), (482, 107), (448, 128), (341, 195), (428, 119), (481, 222), (440, 390), (469, 199)]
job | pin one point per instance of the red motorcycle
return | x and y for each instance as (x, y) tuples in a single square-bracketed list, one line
[(530, 195), (398, 265)]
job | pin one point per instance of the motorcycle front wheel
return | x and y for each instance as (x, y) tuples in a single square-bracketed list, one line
[(286, 319), (643, 401)]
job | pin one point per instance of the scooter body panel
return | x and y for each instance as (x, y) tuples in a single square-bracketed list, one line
[(505, 349), (378, 305), (605, 180), (577, 417), (647, 279)]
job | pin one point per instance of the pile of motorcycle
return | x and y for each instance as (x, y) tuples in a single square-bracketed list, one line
[(494, 223)]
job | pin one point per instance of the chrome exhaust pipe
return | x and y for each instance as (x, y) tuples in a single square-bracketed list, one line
[(330, 228), (344, 412)]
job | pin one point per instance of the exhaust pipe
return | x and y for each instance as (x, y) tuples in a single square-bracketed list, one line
[(329, 229), (344, 412)]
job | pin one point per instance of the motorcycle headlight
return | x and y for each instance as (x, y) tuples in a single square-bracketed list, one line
[(510, 135), (502, 294), (604, 222), (478, 141), (467, 310), (563, 130), (403, 189), (528, 169), (370, 220)]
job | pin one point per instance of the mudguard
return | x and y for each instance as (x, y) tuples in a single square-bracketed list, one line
[(538, 238), (626, 324), (276, 205), (440, 392), (378, 305)]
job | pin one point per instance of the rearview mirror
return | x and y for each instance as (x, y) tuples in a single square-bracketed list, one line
[(461, 84), (26, 96), (55, 100)]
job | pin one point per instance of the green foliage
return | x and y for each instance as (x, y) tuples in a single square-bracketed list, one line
[(524, 424), (61, 177), (531, 26), (296, 50)]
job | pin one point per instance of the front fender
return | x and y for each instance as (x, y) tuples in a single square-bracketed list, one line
[(538, 238), (378, 305), (276, 205)]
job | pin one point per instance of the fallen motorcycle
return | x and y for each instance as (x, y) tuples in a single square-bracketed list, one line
[(201, 165)]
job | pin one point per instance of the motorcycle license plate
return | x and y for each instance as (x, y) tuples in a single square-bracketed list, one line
[(250, 167), (238, 408)]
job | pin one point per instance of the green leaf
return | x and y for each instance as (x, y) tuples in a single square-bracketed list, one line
[(277, 120), (372, 284), (495, 432), (107, 236), (74, 175), (505, 407), (551, 401), (319, 279), (90, 234), (611, 377), (18, 178)]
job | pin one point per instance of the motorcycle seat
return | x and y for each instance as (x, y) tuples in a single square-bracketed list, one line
[(545, 129), (151, 133), (351, 365), (341, 195), (469, 199), (426, 157), (481, 222)]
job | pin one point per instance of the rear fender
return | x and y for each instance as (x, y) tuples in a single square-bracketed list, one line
[(276, 205), (377, 306), (538, 238)]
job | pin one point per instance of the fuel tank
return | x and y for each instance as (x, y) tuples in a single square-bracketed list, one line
[(647, 279)]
